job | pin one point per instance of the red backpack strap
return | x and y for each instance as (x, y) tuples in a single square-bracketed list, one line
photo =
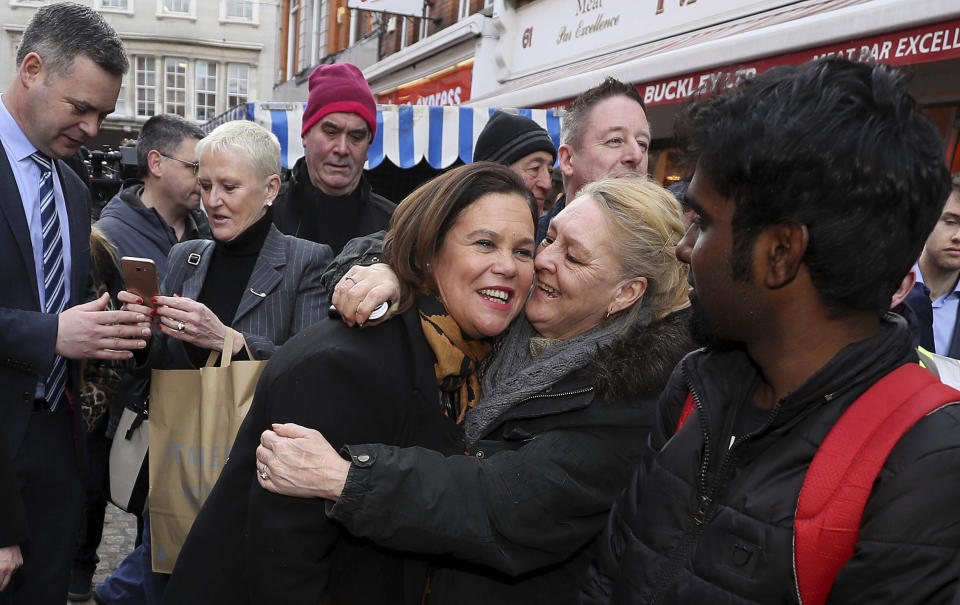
[(688, 406), (841, 476)]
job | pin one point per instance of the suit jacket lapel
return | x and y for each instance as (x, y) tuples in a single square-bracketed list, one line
[(955, 340), (11, 206), (266, 275)]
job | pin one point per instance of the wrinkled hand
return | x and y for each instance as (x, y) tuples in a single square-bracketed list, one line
[(87, 331), (300, 462), (362, 290), (10, 561), (201, 327)]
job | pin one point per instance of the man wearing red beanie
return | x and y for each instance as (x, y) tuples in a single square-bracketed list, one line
[(327, 200)]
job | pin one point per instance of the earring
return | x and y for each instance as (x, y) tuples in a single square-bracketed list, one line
[(608, 314)]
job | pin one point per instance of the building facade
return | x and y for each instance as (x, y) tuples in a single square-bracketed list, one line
[(424, 57), (194, 58)]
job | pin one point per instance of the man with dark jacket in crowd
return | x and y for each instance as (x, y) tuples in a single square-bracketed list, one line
[(605, 134), (801, 171), (523, 145), (161, 207), (327, 200)]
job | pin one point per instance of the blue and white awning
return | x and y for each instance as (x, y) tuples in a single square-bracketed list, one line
[(406, 134)]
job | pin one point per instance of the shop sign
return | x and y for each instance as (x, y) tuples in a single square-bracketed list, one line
[(448, 87), (412, 8), (553, 32), (926, 44)]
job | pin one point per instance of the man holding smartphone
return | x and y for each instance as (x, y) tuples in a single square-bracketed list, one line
[(69, 68)]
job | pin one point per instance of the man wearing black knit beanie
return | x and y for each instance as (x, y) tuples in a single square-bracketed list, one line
[(523, 145)]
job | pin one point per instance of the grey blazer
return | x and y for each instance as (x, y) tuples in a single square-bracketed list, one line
[(284, 294)]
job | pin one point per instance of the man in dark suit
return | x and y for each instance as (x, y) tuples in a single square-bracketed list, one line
[(69, 68), (935, 298)]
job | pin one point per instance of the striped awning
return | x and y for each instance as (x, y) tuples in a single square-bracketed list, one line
[(406, 134)]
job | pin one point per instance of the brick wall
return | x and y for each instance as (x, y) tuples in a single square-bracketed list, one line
[(445, 10)]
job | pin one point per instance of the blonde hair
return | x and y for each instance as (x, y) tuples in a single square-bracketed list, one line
[(259, 144), (647, 225)]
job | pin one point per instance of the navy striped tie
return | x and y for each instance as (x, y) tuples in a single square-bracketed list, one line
[(53, 272)]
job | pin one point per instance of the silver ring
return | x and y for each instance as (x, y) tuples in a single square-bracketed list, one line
[(180, 326), (263, 473)]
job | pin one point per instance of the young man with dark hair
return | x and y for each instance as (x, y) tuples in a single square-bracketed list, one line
[(814, 191), (935, 298)]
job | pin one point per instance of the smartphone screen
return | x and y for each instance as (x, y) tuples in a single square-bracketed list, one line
[(140, 275)]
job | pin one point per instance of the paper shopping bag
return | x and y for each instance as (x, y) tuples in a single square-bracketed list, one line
[(194, 418)]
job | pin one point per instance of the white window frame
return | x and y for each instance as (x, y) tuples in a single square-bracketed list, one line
[(197, 90), (128, 10), (253, 20), (231, 79), (424, 23), (464, 10), (137, 86), (122, 107), (167, 89), (304, 60), (190, 14)]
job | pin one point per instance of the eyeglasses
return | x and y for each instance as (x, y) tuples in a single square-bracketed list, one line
[(194, 166)]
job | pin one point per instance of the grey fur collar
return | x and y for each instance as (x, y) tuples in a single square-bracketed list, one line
[(640, 362)]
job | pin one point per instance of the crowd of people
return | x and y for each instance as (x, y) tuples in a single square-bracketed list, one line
[(729, 392)]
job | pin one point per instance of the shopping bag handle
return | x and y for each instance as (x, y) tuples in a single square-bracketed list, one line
[(227, 346)]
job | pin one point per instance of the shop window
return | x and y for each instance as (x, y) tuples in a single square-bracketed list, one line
[(175, 86), (238, 82), (206, 87), (146, 86)]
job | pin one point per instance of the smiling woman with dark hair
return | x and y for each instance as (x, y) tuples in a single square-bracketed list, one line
[(464, 247)]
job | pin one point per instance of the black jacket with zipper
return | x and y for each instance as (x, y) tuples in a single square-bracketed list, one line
[(708, 518), (512, 521)]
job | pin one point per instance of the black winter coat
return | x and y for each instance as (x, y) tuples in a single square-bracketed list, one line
[(251, 546), (709, 519), (512, 521)]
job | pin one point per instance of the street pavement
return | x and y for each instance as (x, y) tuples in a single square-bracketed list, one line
[(119, 534)]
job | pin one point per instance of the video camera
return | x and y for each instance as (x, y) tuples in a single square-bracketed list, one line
[(106, 170)]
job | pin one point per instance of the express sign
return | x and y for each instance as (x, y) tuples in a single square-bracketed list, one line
[(448, 88)]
